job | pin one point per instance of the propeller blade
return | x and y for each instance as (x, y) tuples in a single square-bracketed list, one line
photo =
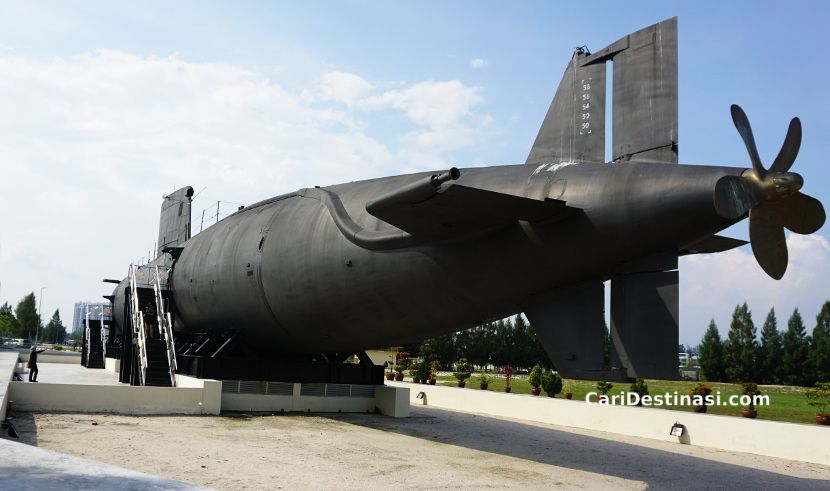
[(734, 196), (789, 150), (743, 127), (767, 237), (803, 214)]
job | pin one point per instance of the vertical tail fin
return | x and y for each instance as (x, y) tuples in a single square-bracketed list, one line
[(645, 95), (174, 224), (574, 127), (644, 104)]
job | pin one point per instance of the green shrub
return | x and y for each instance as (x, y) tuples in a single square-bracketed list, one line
[(415, 371), (819, 397), (551, 383), (57, 347), (535, 377), (424, 373), (434, 368), (603, 387), (639, 387), (462, 370)]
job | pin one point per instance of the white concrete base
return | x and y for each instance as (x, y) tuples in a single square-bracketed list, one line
[(807, 443), (71, 389), (8, 367), (121, 399), (314, 404), (391, 401), (77, 390)]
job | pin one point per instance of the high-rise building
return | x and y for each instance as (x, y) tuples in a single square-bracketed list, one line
[(97, 310)]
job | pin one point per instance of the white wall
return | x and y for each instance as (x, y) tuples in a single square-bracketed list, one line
[(808, 443), (122, 399), (391, 401), (8, 364)]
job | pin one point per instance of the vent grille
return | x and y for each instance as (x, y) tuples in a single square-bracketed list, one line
[(287, 389), (318, 390), (251, 387), (230, 386), (338, 390), (363, 391), (279, 388)]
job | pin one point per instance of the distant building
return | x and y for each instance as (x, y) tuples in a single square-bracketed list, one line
[(97, 310)]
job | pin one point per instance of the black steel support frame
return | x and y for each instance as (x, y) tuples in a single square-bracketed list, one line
[(288, 369)]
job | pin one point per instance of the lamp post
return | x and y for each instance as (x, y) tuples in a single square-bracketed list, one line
[(39, 318)]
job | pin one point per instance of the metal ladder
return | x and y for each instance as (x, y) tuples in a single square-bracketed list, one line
[(163, 317), (165, 323), (138, 327), (88, 338), (87, 334)]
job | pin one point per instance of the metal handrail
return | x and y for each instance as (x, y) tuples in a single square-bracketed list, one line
[(88, 333), (165, 323), (138, 328)]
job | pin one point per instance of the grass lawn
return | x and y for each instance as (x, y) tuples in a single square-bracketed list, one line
[(786, 403)]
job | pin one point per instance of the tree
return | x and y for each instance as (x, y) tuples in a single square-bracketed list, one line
[(795, 362), (442, 349), (54, 332), (740, 349), (712, 362), (771, 351), (523, 351), (504, 347), (480, 350), (27, 318), (8, 324), (820, 348)]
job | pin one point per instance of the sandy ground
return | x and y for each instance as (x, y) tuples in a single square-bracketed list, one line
[(431, 449)]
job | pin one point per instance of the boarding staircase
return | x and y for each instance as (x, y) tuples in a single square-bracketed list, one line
[(152, 326), (92, 355)]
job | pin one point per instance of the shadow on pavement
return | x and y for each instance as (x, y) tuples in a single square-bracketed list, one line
[(24, 425), (657, 468)]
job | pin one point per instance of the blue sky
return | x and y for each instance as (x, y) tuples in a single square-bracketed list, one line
[(107, 105)]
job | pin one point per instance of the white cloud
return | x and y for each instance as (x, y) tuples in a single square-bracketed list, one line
[(478, 63), (89, 143), (444, 115), (432, 104), (711, 285), (338, 86)]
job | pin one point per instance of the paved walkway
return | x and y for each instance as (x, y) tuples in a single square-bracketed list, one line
[(432, 449), (24, 467), (66, 373)]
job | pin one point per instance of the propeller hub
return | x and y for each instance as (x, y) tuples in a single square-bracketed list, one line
[(775, 186)]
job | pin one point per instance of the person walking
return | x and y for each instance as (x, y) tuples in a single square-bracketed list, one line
[(33, 363)]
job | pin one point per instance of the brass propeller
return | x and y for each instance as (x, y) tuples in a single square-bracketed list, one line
[(770, 196)]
